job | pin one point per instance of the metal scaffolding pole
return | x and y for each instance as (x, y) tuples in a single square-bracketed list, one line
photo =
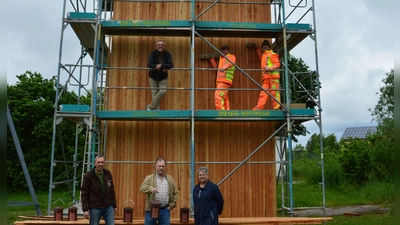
[(24, 167)]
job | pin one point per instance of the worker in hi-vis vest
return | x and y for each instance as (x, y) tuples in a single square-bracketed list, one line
[(224, 78), (270, 77)]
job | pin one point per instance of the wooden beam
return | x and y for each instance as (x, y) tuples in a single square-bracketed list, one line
[(176, 221)]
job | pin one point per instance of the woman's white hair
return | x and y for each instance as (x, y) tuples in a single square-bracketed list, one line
[(202, 169)]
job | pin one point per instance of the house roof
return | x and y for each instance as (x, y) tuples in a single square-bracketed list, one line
[(358, 132)]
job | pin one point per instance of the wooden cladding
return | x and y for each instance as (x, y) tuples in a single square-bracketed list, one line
[(133, 146)]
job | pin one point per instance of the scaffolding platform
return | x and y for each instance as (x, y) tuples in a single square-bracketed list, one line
[(84, 25), (296, 31), (207, 115), (79, 114)]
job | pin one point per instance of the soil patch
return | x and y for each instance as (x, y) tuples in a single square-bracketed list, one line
[(346, 210)]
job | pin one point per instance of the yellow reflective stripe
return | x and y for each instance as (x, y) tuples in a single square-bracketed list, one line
[(270, 64), (229, 72)]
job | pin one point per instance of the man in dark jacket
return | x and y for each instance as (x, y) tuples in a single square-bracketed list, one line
[(207, 199), (159, 62), (98, 195)]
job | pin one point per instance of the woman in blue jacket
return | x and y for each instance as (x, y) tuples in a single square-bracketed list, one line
[(208, 200)]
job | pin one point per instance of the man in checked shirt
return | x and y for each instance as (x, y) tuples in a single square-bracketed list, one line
[(159, 186)]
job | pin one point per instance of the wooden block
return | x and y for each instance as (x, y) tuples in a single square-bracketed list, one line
[(208, 56), (297, 105), (250, 45), (352, 214), (204, 56)]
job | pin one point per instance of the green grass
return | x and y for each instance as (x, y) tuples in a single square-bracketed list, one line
[(373, 218), (382, 194), (310, 195), (60, 198)]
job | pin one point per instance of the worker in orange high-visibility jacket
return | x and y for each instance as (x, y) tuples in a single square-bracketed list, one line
[(224, 79), (270, 77)]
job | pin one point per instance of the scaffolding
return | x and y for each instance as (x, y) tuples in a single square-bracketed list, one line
[(92, 23)]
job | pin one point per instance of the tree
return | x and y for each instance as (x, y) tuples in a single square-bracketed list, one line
[(383, 112), (31, 106), (31, 103), (298, 152), (382, 153), (330, 144), (303, 88), (355, 160), (373, 159)]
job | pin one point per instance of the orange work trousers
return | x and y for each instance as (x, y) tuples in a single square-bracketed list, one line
[(273, 85), (221, 97)]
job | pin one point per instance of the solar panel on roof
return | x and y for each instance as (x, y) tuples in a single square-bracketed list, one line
[(358, 132)]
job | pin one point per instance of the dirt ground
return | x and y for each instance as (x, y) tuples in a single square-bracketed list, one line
[(347, 210)]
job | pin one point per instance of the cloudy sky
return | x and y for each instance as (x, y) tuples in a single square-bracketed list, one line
[(355, 40)]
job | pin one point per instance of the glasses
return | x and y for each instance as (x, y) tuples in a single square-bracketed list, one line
[(199, 194), (160, 45)]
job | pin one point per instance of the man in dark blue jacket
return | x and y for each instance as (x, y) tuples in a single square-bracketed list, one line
[(208, 200), (159, 62)]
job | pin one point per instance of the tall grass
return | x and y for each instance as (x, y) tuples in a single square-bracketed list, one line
[(339, 191)]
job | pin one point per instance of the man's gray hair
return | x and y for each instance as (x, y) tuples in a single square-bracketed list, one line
[(158, 40), (160, 159)]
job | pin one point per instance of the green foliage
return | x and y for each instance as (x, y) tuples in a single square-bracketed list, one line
[(310, 194), (382, 156), (355, 160), (378, 192), (334, 174), (384, 109), (299, 152), (303, 81), (31, 103), (301, 168), (310, 171), (382, 142), (31, 106), (329, 143), (303, 85), (373, 159)]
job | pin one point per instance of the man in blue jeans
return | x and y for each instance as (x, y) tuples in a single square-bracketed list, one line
[(98, 195), (159, 186), (160, 61)]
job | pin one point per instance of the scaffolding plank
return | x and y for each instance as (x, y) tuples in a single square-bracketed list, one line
[(83, 25), (182, 28), (74, 108), (144, 115), (113, 26), (296, 33), (147, 27), (206, 115), (79, 114)]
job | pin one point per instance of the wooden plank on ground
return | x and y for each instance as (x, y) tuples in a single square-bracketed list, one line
[(227, 221)]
